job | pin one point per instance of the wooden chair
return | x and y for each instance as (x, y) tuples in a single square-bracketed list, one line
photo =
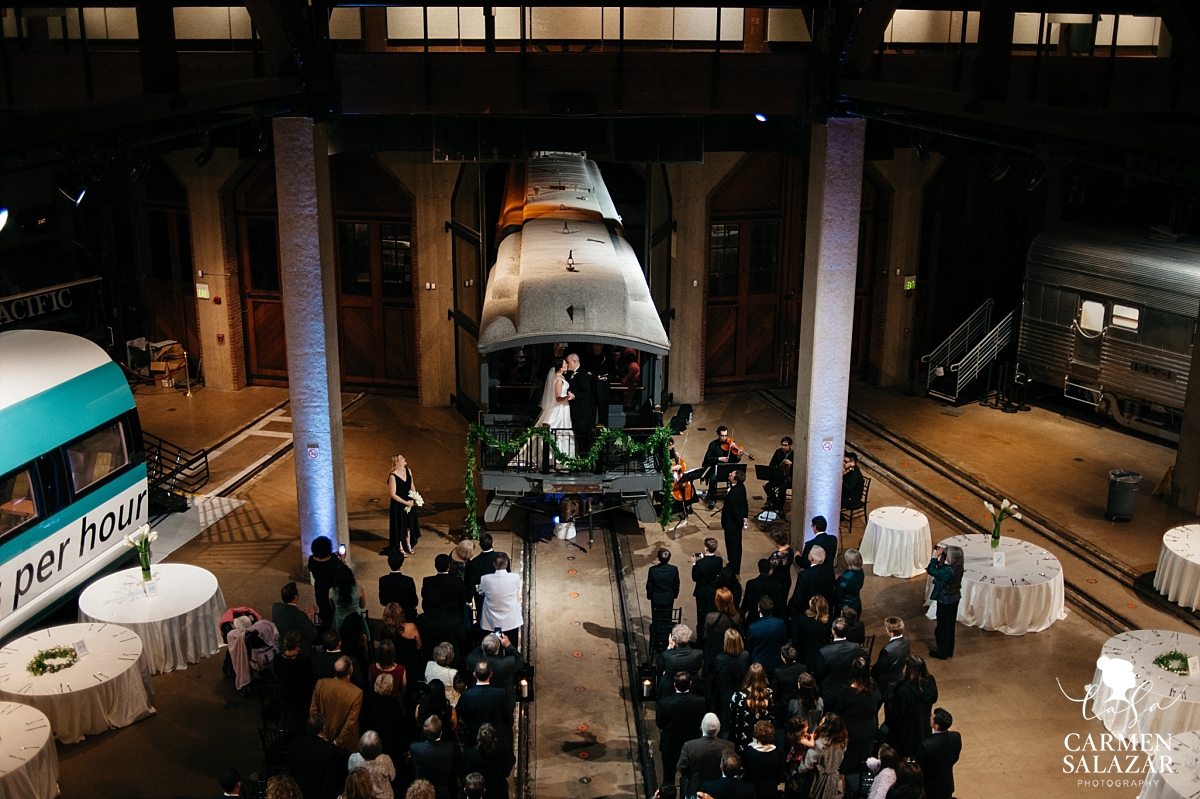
[(868, 646), (275, 745), (663, 621), (848, 515)]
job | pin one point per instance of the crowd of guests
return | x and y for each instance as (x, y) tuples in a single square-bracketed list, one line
[(775, 687), (415, 704)]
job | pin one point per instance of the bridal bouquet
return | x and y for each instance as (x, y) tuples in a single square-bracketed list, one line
[(1005, 511), (141, 539), (418, 501)]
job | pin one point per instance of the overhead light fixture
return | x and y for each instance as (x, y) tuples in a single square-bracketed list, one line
[(139, 170), (1000, 170), (922, 146), (3, 217), (264, 136), (74, 192), (1035, 179), (761, 117), (206, 152)]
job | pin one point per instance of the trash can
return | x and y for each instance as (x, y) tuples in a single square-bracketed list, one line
[(1122, 493)]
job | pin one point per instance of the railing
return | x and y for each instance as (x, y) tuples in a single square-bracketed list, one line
[(174, 469), (956, 345), (537, 457), (983, 353)]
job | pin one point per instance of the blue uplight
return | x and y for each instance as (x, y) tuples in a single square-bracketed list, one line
[(761, 117)]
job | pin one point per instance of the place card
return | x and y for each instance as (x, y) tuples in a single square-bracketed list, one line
[(998, 559), (1193, 666), (80, 648), (151, 587)]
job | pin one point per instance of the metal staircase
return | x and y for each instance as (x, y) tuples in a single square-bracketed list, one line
[(959, 359), (173, 472)]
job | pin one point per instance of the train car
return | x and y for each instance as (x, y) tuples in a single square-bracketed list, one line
[(565, 277), (72, 469), (1109, 316)]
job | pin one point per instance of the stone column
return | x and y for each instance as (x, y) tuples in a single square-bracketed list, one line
[(1185, 483), (827, 320), (303, 185)]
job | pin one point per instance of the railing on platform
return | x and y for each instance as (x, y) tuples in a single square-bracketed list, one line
[(172, 468), (983, 353), (957, 344), (537, 456)]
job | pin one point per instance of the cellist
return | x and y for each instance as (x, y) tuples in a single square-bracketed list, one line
[(777, 490), (681, 492)]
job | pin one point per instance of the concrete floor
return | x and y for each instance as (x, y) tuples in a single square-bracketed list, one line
[(1004, 691)]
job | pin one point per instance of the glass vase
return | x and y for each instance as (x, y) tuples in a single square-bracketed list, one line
[(996, 534), (144, 557)]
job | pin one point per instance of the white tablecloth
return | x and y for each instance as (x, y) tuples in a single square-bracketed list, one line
[(1181, 778), (178, 626), (1178, 575), (28, 759), (109, 686), (896, 542), (1162, 702), (1026, 596)]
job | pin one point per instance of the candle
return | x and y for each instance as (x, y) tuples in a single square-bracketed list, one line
[(645, 689), (524, 689)]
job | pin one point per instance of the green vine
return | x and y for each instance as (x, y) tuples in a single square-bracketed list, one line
[(1175, 662), (659, 443), (40, 664)]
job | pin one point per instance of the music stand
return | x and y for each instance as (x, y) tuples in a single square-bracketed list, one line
[(690, 476), (768, 473), (723, 470)]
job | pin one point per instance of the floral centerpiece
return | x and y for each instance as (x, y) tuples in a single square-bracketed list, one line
[(418, 500), (50, 661), (141, 539), (1175, 662), (1005, 511)]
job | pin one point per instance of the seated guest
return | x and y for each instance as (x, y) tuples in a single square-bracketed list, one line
[(937, 755), (397, 587), (849, 583), (436, 759), (493, 761), (294, 671), (316, 763), (371, 758), (287, 616), (852, 483)]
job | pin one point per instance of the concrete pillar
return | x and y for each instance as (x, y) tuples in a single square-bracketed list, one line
[(906, 175), (827, 319), (1185, 483), (220, 316), (303, 185)]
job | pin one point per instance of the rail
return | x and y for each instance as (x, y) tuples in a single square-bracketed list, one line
[(956, 345), (983, 353), (172, 468), (537, 457)]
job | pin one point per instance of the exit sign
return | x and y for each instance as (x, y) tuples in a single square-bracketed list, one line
[(202, 291), (910, 282)]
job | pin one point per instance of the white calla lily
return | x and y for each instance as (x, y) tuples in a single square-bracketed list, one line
[(990, 507), (1017, 516), (1004, 505)]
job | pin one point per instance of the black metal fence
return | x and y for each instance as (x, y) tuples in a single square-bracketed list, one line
[(538, 457)]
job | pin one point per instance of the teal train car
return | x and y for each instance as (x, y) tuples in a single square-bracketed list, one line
[(72, 470)]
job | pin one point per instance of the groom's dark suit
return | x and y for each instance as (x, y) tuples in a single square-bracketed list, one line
[(583, 409)]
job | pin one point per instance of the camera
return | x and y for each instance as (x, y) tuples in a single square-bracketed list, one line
[(496, 632), (341, 549)]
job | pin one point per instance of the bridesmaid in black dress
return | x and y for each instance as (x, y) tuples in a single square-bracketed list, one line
[(404, 531)]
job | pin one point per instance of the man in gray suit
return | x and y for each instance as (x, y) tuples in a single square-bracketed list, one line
[(889, 667), (700, 759)]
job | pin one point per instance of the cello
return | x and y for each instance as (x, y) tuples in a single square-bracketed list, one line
[(681, 492)]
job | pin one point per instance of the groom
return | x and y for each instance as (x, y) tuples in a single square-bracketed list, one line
[(583, 406)]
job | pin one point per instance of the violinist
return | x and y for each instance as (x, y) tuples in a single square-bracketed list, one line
[(777, 489), (716, 454)]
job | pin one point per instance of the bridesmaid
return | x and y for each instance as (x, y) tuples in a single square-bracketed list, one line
[(404, 531)]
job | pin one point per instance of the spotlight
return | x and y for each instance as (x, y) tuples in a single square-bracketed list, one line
[(761, 117), (1035, 179), (264, 137), (206, 153), (3, 217), (139, 170), (922, 152), (74, 193), (556, 520), (999, 171)]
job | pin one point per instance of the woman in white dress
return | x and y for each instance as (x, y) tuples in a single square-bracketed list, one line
[(556, 407)]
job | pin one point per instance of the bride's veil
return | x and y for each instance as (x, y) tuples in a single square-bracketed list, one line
[(548, 398)]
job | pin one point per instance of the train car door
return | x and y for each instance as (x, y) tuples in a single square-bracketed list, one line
[(1089, 337)]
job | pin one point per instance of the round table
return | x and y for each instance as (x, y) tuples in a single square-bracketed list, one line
[(1178, 575), (1025, 596), (178, 626), (1162, 702), (896, 542), (1182, 778), (109, 686), (28, 759)]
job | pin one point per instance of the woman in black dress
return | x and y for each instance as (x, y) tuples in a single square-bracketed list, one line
[(762, 761), (781, 560), (810, 631), (404, 531), (858, 705), (729, 671), (911, 705), (323, 567)]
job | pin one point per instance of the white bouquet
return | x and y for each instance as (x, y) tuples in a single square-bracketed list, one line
[(418, 501)]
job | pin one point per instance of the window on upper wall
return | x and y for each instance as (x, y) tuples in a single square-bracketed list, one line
[(96, 456), (1125, 317), (723, 260), (17, 506)]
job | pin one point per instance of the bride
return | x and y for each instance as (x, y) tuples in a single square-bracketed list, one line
[(556, 408)]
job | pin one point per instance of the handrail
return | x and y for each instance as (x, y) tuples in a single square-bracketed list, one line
[(172, 468), (984, 352), (958, 342)]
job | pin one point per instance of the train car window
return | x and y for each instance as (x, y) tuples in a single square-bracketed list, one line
[(1091, 316), (1125, 317), (97, 455), (1170, 332), (17, 506), (1068, 303), (1033, 301)]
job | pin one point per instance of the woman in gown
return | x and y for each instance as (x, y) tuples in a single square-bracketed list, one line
[(556, 407), (404, 530)]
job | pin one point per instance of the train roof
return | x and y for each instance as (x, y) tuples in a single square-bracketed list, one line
[(33, 361)]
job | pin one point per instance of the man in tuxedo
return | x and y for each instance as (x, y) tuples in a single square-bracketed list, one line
[(662, 582), (287, 616), (340, 702), (231, 783), (823, 540), (763, 585), (852, 483), (443, 592), (937, 755), (729, 785), (315, 763), (484, 703), (777, 489), (889, 666), (436, 760), (714, 456), (583, 406), (817, 579), (706, 566), (700, 758), (783, 684), (482, 564), (679, 656), (677, 717), (501, 592), (505, 660), (765, 636), (833, 668), (397, 587), (735, 518)]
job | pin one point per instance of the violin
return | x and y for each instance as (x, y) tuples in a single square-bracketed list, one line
[(734, 450), (682, 492)]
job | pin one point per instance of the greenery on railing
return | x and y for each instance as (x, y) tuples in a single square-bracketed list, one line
[(659, 443)]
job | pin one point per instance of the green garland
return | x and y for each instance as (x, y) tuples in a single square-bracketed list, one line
[(1175, 662), (659, 443), (39, 665)]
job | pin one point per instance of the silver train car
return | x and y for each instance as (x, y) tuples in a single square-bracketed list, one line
[(1109, 315), (565, 275)]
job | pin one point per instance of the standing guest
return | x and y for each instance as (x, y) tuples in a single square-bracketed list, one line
[(750, 705), (796, 779), (325, 663), (397, 587), (662, 582), (436, 759), (808, 703), (700, 759), (287, 615), (834, 665), (777, 489), (294, 671), (884, 768), (706, 564), (735, 518), (354, 641), (849, 586), (937, 755), (679, 656), (716, 454), (406, 639), (461, 556), (323, 566), (501, 608), (383, 712), (910, 781), (827, 749), (442, 592), (764, 585), (484, 703), (316, 763), (281, 786), (856, 631), (443, 627), (765, 637), (666, 791), (810, 630), (908, 712), (493, 761), (783, 681), (716, 624), (782, 559), (481, 565), (346, 596), (385, 663), (677, 716), (442, 668), (946, 569), (889, 666), (729, 671), (816, 580), (852, 482), (370, 758), (762, 762), (420, 789), (858, 705), (433, 703), (729, 785), (340, 702), (505, 660), (820, 539), (403, 531), (231, 782), (728, 580), (474, 786), (358, 785)]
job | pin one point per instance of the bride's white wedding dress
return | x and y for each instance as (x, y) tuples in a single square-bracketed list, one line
[(557, 415)]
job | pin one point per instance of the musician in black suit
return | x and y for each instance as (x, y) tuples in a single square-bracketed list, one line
[(777, 489), (662, 581), (833, 667), (937, 755), (716, 454), (397, 587), (706, 567), (763, 585), (852, 483), (889, 666), (823, 540), (678, 717), (443, 592), (735, 518)]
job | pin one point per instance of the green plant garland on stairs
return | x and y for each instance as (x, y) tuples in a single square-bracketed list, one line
[(659, 443)]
